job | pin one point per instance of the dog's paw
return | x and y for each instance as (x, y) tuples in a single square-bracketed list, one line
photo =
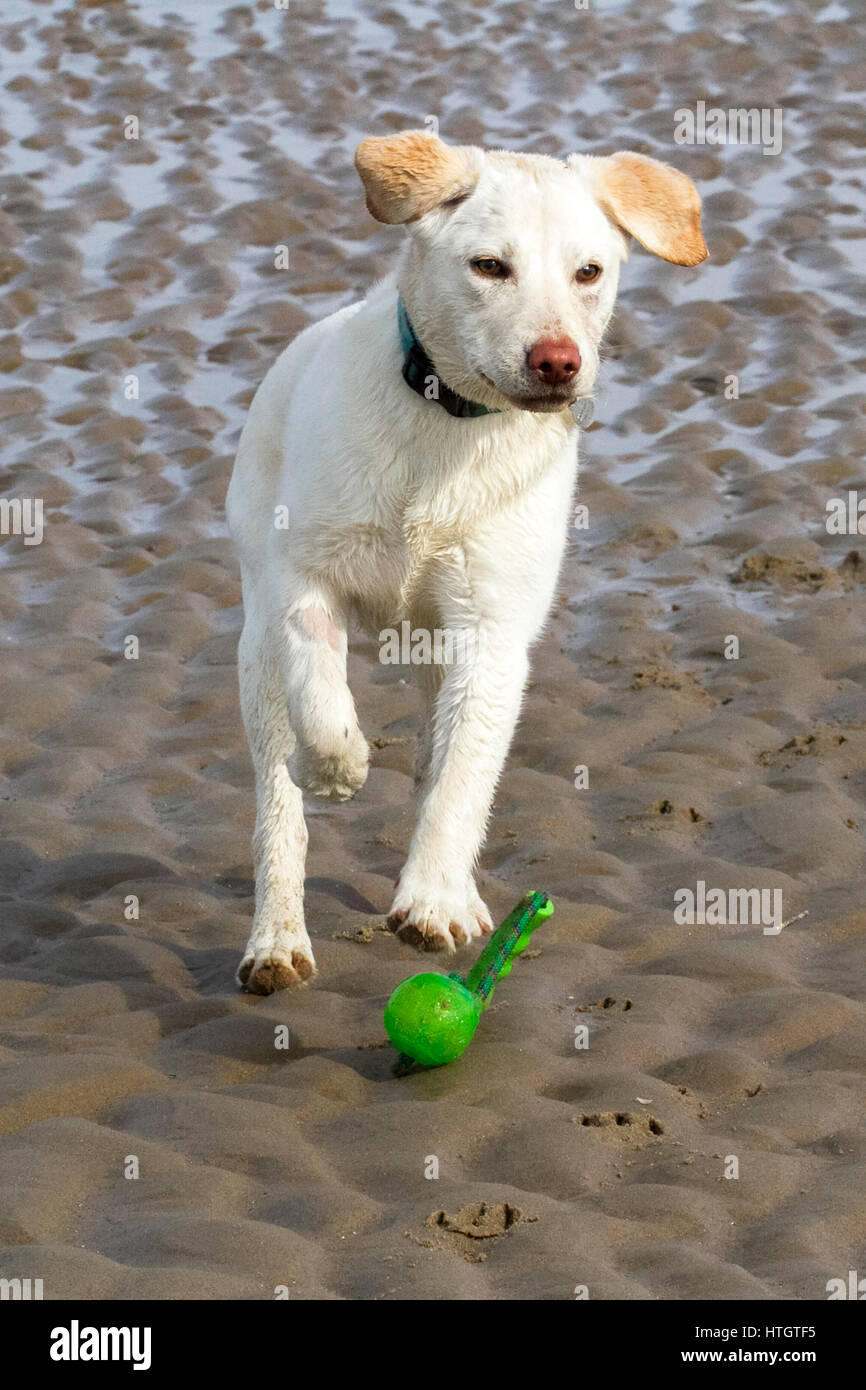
[(334, 775), (272, 968), (436, 920)]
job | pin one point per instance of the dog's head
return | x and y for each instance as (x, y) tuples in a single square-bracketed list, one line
[(513, 264)]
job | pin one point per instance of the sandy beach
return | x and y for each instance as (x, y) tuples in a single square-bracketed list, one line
[(156, 1141)]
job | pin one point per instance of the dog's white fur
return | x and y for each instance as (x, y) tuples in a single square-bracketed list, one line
[(396, 510)]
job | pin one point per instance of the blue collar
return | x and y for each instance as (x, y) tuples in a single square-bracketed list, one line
[(418, 369)]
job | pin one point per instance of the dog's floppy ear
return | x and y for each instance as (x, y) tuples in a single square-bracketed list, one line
[(407, 175), (651, 201)]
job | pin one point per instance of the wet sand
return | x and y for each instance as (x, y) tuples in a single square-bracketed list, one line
[(127, 779)]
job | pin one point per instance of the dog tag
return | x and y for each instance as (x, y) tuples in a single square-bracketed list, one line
[(583, 411)]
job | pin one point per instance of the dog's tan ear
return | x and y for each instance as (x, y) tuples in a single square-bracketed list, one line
[(407, 175), (651, 201)]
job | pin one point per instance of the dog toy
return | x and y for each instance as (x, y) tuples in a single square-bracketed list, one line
[(431, 1019)]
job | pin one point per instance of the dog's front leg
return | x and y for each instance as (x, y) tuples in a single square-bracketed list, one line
[(297, 710), (331, 755), (437, 905)]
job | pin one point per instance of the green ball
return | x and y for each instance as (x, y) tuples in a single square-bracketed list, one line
[(432, 1018)]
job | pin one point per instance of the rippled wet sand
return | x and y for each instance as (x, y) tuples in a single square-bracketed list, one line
[(154, 257)]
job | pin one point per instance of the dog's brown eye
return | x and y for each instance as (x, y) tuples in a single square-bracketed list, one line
[(491, 267), (588, 273)]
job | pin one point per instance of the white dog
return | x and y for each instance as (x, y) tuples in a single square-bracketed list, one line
[(422, 446)]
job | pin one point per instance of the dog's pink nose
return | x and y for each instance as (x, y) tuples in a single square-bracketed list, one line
[(554, 360)]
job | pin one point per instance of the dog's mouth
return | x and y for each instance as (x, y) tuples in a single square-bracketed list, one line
[(542, 405), (546, 404)]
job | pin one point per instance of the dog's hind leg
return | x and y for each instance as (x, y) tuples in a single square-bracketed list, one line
[(279, 954)]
